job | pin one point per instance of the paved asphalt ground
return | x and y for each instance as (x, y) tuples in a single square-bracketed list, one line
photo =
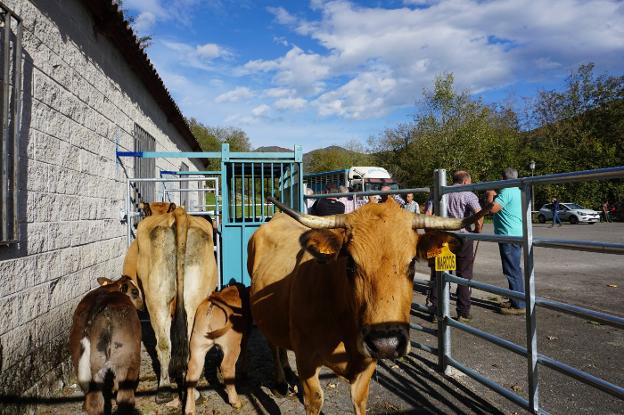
[(590, 280), (411, 385)]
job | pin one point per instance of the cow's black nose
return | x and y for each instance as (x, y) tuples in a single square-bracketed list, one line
[(387, 342)]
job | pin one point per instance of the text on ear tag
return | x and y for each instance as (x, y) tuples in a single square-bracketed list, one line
[(445, 261)]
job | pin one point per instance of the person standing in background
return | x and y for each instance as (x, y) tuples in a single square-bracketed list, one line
[(460, 205), (346, 200), (554, 208), (507, 210), (410, 204)]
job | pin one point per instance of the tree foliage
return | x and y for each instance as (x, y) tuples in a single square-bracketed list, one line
[(453, 131), (580, 127), (334, 158), (210, 138)]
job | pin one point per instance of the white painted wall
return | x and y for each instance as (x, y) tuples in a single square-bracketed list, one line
[(80, 96)]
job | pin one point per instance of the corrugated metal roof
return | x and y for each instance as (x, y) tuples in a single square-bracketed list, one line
[(110, 21)]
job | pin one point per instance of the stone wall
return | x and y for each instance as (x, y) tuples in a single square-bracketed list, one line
[(80, 99)]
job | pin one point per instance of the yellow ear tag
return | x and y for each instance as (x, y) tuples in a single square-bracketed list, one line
[(445, 260)]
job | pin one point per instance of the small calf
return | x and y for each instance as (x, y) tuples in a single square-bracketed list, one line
[(223, 319), (105, 343)]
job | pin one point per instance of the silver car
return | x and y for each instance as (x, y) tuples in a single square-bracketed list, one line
[(569, 212)]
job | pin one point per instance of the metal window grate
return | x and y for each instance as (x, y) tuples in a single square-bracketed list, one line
[(144, 168), (10, 105)]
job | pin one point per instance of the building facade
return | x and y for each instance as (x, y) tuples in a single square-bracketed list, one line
[(80, 88)]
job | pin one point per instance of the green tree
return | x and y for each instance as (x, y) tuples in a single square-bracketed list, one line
[(334, 157), (452, 131), (579, 128), (210, 139)]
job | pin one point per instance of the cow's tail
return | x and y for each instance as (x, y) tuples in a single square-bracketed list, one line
[(179, 330)]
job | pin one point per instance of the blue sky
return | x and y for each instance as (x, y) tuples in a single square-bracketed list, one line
[(318, 72)]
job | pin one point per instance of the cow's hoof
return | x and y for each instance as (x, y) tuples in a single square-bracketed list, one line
[(236, 404), (281, 390), (164, 396)]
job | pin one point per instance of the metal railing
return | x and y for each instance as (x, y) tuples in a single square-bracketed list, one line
[(534, 359)]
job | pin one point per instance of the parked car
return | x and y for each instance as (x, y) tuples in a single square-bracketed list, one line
[(569, 212)]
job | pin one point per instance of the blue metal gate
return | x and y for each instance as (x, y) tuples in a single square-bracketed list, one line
[(247, 179)]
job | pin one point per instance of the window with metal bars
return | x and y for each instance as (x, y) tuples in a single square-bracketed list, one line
[(144, 168), (10, 104)]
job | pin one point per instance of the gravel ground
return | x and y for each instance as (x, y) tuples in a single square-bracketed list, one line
[(411, 385)]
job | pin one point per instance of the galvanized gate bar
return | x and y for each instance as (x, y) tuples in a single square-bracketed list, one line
[(587, 246), (529, 290), (424, 347), (582, 376), (582, 312), (517, 399), (577, 176), (505, 292), (533, 357), (499, 341), (371, 193)]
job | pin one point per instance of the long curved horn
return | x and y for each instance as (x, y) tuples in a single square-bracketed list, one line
[(311, 221), (438, 222)]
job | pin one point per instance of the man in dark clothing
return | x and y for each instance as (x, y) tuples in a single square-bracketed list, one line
[(460, 205), (328, 205)]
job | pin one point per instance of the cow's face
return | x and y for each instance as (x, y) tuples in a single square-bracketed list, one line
[(377, 249), (127, 286), (156, 208)]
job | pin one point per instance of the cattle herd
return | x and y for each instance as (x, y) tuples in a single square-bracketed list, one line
[(336, 290)]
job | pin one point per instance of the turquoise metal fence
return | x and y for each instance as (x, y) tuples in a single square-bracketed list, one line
[(247, 179)]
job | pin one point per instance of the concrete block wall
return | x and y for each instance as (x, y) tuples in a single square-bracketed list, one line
[(80, 99)]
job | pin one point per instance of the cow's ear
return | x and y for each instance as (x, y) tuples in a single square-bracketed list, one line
[(432, 240), (145, 207), (104, 281), (172, 207), (323, 244)]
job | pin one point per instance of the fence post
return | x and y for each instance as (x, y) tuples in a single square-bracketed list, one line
[(529, 292), (442, 308)]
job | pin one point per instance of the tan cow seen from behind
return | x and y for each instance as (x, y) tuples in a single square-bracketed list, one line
[(338, 290), (224, 320), (105, 343), (173, 260)]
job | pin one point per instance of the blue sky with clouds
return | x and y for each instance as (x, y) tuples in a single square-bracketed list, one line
[(321, 72)]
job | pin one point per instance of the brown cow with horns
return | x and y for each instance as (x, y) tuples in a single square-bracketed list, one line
[(337, 290)]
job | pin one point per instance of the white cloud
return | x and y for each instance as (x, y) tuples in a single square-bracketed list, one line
[(282, 16), (364, 96), (279, 92), (261, 111), (196, 56), (209, 50), (144, 22), (290, 104), (297, 69), (235, 95), (485, 44)]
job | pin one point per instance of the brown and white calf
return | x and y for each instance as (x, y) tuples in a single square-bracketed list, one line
[(223, 319), (105, 343)]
